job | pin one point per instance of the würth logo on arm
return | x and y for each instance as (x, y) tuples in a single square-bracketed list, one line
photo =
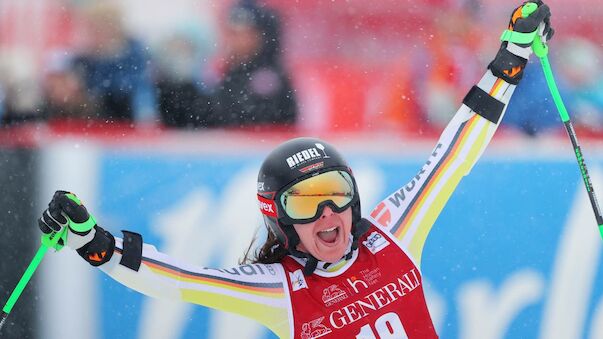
[(267, 206)]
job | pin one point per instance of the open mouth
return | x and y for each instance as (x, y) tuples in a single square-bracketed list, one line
[(329, 235)]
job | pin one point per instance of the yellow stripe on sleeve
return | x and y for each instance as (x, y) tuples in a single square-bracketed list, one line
[(435, 208), (274, 318), (474, 137), (401, 233)]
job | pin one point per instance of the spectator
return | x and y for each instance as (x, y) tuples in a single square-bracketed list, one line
[(423, 86), (578, 63), (580, 84), (19, 90), (256, 89), (114, 66), (64, 91), (452, 63), (184, 98)]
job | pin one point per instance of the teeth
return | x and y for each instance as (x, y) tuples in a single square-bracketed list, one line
[(330, 229)]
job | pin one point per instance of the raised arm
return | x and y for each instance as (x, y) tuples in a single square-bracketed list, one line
[(256, 291), (410, 212)]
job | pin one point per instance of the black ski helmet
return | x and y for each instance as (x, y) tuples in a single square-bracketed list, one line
[(291, 162)]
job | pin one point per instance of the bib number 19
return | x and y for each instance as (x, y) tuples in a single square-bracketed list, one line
[(388, 326)]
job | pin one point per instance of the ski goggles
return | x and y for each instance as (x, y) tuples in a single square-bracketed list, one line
[(304, 201)]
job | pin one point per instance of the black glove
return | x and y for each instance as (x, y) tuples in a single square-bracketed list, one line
[(529, 20), (93, 243)]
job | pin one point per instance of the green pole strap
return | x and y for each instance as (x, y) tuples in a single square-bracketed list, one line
[(51, 241)]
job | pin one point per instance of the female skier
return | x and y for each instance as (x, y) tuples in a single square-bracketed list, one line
[(324, 271)]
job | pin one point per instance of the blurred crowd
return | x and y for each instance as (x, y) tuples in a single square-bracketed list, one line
[(272, 65), (113, 77)]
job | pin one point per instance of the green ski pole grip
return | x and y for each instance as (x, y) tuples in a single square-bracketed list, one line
[(539, 47)]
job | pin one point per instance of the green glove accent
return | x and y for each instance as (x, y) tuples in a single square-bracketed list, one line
[(528, 9), (84, 226), (518, 37), (74, 198)]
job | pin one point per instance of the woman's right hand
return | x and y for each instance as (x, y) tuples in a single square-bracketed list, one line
[(66, 211)]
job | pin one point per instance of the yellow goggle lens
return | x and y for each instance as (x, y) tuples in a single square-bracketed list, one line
[(301, 200)]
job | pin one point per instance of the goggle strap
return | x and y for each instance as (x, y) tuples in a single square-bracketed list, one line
[(267, 206)]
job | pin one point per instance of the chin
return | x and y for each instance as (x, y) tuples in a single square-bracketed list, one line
[(333, 255), (329, 258)]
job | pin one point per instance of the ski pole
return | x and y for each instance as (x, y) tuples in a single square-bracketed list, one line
[(48, 241), (541, 50)]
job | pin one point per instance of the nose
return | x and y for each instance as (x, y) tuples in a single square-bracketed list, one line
[(327, 211)]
